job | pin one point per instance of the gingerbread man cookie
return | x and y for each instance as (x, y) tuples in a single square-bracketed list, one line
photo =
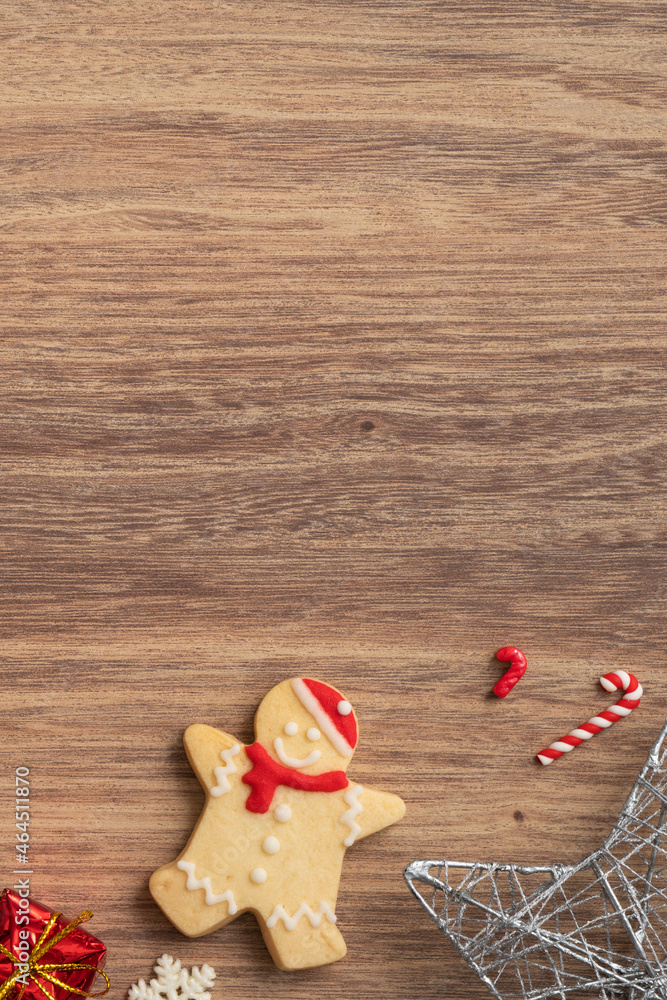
[(278, 818)]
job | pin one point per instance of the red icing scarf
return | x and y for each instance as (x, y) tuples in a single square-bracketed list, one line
[(267, 774)]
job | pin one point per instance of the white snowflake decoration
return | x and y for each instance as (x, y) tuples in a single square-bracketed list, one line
[(174, 983)]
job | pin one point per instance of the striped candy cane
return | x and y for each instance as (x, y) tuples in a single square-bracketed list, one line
[(632, 692)]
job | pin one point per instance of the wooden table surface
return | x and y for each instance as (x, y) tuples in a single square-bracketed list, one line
[(331, 344)]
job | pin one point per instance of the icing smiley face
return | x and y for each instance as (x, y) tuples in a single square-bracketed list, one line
[(284, 757)]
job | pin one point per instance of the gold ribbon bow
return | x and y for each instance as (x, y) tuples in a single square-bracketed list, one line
[(38, 970)]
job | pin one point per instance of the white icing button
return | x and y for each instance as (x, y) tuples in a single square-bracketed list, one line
[(258, 875), (271, 845), (313, 734), (283, 814), (291, 729), (344, 707)]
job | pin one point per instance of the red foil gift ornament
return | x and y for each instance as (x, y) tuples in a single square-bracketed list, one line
[(44, 955)]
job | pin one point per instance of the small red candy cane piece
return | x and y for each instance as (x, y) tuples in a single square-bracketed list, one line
[(632, 692), (515, 672)]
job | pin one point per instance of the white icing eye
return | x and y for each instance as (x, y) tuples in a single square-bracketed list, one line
[(291, 729), (271, 845), (283, 814), (344, 707), (258, 875), (313, 734)]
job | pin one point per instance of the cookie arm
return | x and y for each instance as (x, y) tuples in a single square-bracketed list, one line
[(205, 746), (369, 811)]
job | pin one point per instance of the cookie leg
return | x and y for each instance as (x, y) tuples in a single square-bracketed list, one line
[(305, 947), (187, 908)]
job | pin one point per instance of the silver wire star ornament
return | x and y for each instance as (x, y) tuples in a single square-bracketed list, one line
[(597, 928)]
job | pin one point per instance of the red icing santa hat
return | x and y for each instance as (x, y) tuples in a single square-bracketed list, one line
[(332, 713)]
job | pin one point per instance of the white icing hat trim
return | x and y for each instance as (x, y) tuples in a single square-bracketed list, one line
[(312, 705)]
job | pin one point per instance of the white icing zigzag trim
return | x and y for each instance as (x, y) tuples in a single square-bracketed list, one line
[(312, 705), (349, 818), (304, 911), (205, 883), (221, 773)]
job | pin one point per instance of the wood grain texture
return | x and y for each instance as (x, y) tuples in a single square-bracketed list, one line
[(332, 343)]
